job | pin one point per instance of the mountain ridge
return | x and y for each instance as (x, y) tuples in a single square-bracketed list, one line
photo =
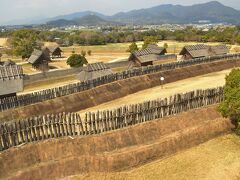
[(213, 11)]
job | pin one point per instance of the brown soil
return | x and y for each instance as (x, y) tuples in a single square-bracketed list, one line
[(113, 151), (105, 93), (216, 159)]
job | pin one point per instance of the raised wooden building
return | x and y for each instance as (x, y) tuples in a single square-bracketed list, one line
[(55, 51), (93, 71), (147, 56), (11, 80), (39, 60), (201, 50)]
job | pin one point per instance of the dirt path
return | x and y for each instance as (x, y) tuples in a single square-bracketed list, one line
[(205, 161), (200, 82)]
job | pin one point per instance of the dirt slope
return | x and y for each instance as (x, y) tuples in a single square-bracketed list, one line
[(113, 151), (216, 159)]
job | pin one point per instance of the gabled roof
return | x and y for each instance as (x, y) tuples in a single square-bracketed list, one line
[(148, 58), (93, 71), (151, 53), (151, 49), (36, 56), (11, 72), (201, 50), (219, 49), (96, 67), (198, 50)]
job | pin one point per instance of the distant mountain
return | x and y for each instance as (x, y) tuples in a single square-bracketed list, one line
[(213, 11), (77, 15), (88, 20)]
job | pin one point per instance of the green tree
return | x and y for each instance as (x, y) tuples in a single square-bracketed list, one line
[(24, 41), (238, 39), (89, 52), (165, 45), (76, 60), (149, 40), (230, 107), (83, 53), (132, 48)]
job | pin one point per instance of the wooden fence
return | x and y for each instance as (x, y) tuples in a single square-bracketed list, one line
[(27, 99), (16, 133)]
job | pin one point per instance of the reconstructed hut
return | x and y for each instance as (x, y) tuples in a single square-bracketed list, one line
[(219, 50), (39, 60), (194, 51), (11, 80), (201, 50), (147, 56), (46, 52), (55, 51), (93, 71)]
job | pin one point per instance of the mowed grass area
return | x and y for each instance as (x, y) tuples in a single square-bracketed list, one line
[(217, 159)]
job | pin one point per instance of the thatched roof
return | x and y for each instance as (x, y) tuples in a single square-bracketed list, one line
[(201, 50), (148, 58), (37, 56), (93, 71), (219, 49), (11, 72), (96, 67), (151, 53), (198, 50)]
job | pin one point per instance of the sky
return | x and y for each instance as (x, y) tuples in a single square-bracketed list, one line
[(28, 9)]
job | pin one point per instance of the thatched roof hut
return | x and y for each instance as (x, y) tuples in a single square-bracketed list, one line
[(93, 71), (39, 60), (201, 50), (11, 80), (55, 51), (147, 56)]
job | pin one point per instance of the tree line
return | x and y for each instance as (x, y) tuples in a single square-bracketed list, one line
[(23, 41)]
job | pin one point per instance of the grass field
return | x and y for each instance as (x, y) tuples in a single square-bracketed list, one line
[(3, 42), (217, 159)]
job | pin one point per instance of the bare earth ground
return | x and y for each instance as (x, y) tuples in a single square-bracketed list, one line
[(211, 80), (217, 159)]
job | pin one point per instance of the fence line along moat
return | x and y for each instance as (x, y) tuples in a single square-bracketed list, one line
[(40, 128)]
